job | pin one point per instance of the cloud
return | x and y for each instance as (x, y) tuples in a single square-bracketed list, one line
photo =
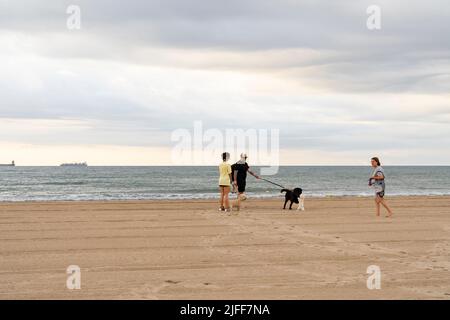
[(135, 72)]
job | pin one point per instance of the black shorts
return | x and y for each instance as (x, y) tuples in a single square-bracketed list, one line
[(380, 194), (241, 186)]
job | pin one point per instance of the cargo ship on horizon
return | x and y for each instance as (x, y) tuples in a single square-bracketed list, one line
[(74, 164)]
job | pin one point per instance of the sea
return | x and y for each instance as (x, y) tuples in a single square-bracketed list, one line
[(23, 183)]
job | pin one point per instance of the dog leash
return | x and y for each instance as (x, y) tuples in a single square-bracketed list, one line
[(273, 183)]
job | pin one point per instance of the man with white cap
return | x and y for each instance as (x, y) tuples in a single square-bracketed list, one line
[(239, 174)]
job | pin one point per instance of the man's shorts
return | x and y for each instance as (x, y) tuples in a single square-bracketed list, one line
[(380, 194), (241, 186)]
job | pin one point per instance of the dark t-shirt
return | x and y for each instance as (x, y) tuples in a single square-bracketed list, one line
[(241, 169)]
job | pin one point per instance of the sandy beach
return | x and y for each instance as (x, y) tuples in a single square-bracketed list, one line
[(188, 250)]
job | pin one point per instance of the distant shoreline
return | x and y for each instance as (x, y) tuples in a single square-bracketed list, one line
[(209, 166), (213, 200)]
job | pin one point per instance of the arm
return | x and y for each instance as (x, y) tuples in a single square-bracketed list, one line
[(378, 177), (253, 174), (233, 185)]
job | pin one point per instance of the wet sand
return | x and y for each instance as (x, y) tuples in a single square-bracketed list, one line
[(188, 250)]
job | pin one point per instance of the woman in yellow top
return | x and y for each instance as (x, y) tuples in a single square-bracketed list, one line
[(224, 182)]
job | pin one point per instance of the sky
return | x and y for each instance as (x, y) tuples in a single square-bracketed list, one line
[(114, 91)]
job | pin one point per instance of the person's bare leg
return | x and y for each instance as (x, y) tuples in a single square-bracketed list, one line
[(377, 201), (221, 197), (226, 198), (238, 202), (383, 202)]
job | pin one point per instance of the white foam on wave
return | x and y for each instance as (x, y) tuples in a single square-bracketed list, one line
[(189, 196)]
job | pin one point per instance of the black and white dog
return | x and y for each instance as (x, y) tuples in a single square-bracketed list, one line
[(294, 196)]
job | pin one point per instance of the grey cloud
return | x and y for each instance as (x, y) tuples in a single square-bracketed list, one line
[(242, 25), (414, 35), (409, 55)]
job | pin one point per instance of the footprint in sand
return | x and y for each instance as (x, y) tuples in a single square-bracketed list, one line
[(172, 282)]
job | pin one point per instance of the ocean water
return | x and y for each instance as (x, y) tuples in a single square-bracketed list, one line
[(116, 183)]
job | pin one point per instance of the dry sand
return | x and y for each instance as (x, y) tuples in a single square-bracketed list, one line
[(188, 250)]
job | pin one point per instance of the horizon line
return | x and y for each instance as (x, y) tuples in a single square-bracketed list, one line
[(256, 165)]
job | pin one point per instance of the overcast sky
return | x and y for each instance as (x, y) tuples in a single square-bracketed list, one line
[(114, 91)]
